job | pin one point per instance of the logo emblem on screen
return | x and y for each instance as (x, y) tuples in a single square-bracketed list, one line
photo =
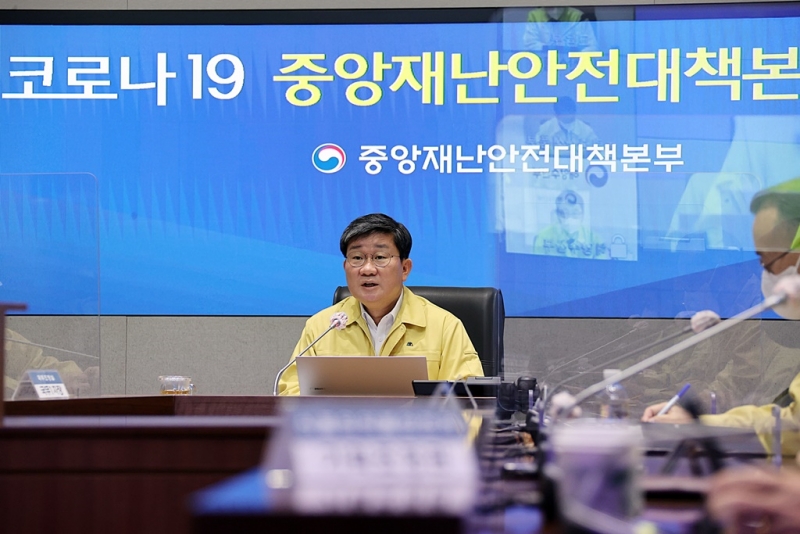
[(328, 158), (596, 175)]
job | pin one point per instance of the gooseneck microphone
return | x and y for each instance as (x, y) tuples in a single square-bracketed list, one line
[(767, 304), (338, 321), (638, 325), (699, 322)]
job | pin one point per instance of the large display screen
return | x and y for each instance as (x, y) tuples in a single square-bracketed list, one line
[(590, 162)]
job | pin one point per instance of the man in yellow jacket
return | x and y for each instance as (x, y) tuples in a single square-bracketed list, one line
[(776, 234), (384, 318)]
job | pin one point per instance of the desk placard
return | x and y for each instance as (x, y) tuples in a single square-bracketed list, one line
[(348, 458), (41, 384)]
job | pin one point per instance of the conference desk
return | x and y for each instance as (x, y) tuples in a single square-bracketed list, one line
[(126, 464), (123, 464), (185, 405), (245, 504), (129, 464), (175, 405), (241, 504)]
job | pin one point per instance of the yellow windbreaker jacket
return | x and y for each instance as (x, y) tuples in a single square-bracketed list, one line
[(420, 329)]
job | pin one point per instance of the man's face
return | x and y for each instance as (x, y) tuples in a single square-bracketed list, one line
[(377, 288), (773, 238)]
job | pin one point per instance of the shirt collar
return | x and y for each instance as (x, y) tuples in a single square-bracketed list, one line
[(392, 315)]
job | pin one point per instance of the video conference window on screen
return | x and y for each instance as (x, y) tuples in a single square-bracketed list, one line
[(588, 161)]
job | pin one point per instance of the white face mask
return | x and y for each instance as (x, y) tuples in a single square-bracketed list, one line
[(768, 282), (571, 225)]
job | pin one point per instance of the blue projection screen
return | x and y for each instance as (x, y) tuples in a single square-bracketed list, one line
[(592, 168)]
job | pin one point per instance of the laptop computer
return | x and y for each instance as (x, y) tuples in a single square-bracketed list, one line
[(360, 375)]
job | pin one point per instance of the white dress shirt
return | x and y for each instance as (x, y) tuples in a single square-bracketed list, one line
[(379, 332)]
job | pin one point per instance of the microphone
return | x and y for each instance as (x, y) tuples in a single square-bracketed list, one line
[(790, 285), (338, 321), (699, 322), (638, 325), (766, 304)]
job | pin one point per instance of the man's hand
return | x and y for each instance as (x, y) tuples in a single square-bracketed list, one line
[(675, 415), (750, 499)]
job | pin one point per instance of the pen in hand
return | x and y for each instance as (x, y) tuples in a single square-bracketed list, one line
[(673, 401)]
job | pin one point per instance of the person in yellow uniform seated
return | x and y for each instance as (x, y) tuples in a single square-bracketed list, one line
[(776, 234), (384, 318), (752, 499), (569, 237), (22, 355)]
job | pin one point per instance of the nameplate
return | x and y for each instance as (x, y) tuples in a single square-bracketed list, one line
[(350, 458), (41, 384)]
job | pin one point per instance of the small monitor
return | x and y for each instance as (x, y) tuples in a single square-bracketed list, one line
[(380, 376), (479, 386)]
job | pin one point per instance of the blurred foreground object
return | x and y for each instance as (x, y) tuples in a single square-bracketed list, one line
[(347, 458)]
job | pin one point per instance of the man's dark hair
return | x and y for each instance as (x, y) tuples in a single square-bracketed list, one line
[(377, 223), (565, 106)]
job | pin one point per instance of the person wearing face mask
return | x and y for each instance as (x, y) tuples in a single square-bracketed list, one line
[(568, 236), (776, 234), (750, 499)]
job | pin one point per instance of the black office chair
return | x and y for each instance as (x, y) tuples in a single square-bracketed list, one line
[(481, 310)]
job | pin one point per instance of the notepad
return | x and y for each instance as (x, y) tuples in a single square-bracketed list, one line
[(360, 375)]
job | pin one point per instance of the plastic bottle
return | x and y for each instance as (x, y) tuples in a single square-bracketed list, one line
[(615, 399)]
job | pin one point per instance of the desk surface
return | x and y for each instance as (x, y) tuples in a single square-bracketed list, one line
[(137, 423), (121, 473), (187, 405), (153, 405), (92, 473), (242, 504), (245, 503), (127, 464)]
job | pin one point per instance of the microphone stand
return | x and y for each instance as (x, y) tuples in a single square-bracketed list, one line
[(767, 304), (573, 360), (628, 354), (285, 367), (48, 347), (707, 322)]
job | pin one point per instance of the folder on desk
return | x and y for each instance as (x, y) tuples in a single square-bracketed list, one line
[(360, 375)]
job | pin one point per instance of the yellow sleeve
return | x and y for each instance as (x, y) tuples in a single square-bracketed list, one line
[(289, 384), (761, 420), (739, 417), (459, 357)]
